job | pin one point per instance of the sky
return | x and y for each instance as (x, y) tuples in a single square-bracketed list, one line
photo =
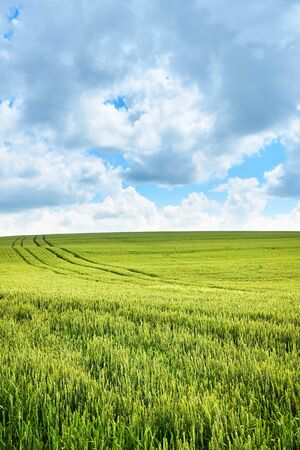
[(149, 115)]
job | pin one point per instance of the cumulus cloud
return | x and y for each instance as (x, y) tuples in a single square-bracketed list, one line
[(34, 175), (245, 199), (127, 210), (284, 179), (205, 85), (232, 70), (50, 179)]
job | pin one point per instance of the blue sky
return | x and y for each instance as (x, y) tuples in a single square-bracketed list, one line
[(253, 166), (149, 116)]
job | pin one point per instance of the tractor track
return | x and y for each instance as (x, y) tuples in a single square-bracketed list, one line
[(42, 264), (110, 268), (58, 255), (43, 243), (76, 255), (51, 248), (130, 275), (19, 248), (20, 254)]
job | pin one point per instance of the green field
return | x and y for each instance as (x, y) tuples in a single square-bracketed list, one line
[(150, 341)]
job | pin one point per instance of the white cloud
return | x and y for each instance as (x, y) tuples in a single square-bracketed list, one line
[(246, 200), (206, 84), (32, 174), (195, 212), (127, 210), (284, 180)]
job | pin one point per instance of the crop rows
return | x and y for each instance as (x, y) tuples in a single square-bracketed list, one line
[(33, 251), (150, 341)]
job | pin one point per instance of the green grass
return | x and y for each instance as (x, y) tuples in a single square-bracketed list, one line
[(150, 341)]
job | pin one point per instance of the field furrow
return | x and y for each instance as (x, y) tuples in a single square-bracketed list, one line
[(131, 271), (32, 259), (82, 261)]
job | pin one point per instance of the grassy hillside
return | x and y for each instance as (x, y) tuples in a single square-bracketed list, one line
[(150, 341)]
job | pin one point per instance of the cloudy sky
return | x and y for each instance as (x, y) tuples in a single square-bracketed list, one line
[(149, 115)]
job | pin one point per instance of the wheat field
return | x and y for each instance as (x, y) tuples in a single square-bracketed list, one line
[(150, 341)]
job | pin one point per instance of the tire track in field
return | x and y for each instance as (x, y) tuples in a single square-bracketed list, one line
[(131, 275), (36, 241), (51, 249), (76, 255), (41, 264), (68, 260), (54, 268), (14, 242), (108, 267), (18, 244), (20, 254), (72, 272)]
